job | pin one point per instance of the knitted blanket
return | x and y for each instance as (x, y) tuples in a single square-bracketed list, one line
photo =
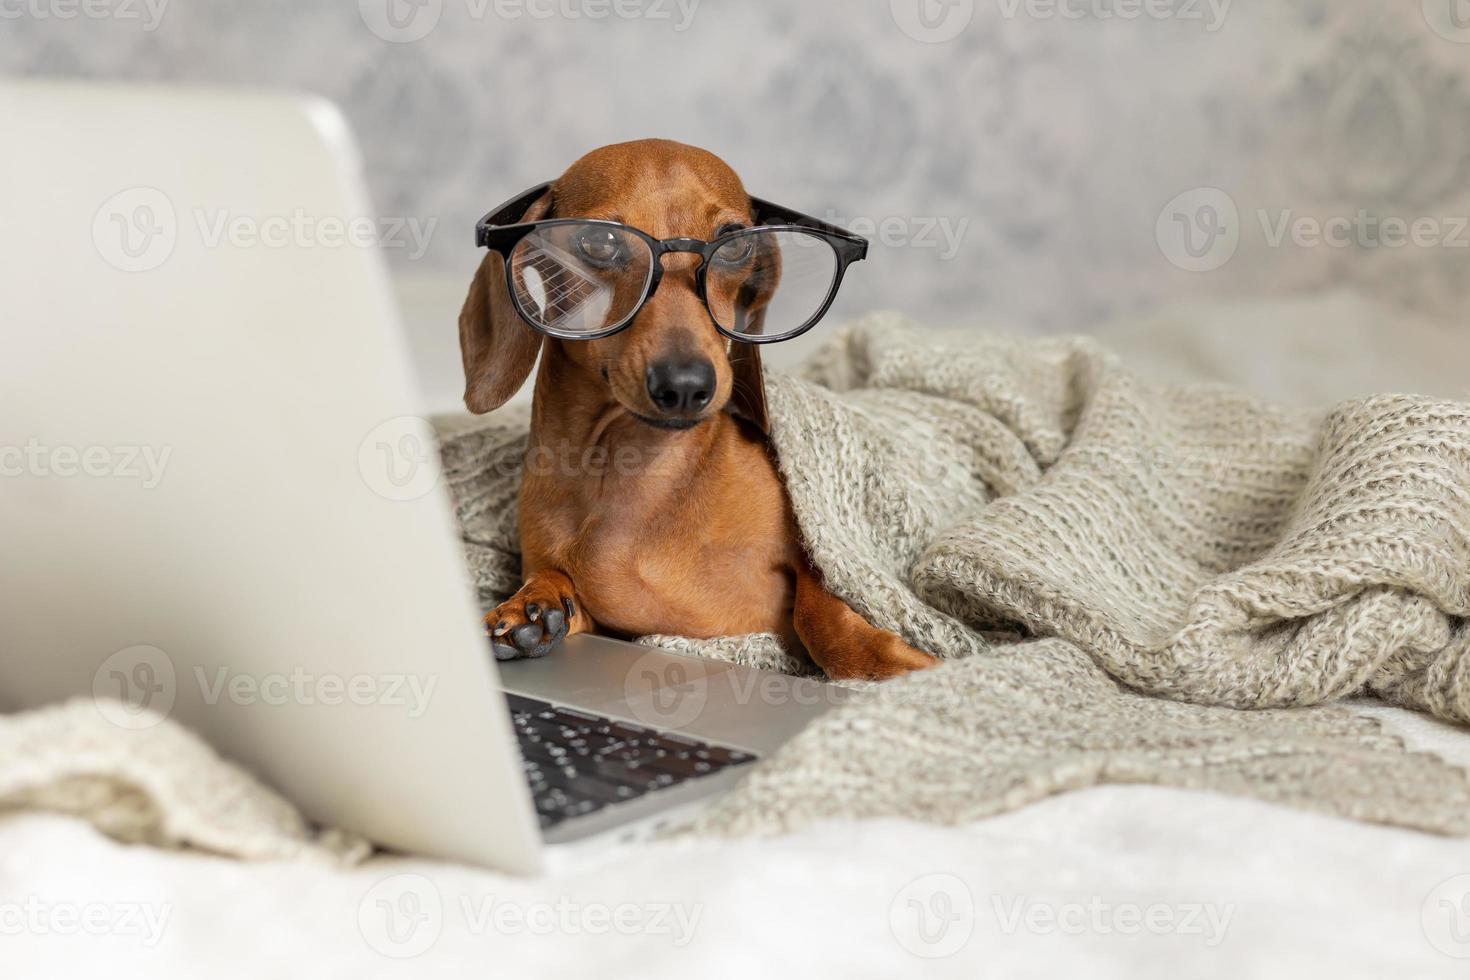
[(1111, 570), (1114, 568)]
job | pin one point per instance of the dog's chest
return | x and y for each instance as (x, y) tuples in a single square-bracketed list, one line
[(676, 560)]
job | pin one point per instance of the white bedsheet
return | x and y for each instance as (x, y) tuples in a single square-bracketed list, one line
[(1130, 882), (1119, 881)]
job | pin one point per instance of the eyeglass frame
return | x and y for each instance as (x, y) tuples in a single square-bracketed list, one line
[(493, 232)]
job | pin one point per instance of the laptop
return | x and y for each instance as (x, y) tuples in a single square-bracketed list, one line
[(219, 501)]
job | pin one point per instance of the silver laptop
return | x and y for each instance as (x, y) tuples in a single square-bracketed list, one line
[(219, 504)]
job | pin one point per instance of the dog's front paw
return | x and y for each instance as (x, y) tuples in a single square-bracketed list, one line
[(523, 627)]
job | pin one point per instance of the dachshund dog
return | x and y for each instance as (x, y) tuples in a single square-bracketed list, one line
[(684, 526)]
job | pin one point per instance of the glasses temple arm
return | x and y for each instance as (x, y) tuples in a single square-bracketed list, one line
[(509, 212), (769, 213)]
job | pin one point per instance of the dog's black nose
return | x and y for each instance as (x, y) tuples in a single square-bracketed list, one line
[(681, 387)]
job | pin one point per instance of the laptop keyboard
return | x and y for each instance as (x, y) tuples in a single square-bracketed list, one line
[(577, 762)]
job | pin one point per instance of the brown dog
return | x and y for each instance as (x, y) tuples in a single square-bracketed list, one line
[(682, 526)]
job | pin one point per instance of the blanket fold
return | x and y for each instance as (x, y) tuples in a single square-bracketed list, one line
[(153, 782), (1185, 542), (1110, 569), (1201, 545)]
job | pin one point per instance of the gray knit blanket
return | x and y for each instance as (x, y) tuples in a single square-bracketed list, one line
[(1129, 582)]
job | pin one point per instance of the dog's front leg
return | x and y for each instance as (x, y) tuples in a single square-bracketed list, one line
[(844, 644), (530, 623)]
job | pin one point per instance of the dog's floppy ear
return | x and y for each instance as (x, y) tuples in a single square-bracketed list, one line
[(748, 397), (496, 345)]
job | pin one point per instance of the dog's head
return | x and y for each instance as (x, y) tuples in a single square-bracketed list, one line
[(670, 367)]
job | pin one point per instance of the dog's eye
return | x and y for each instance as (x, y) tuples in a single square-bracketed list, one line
[(736, 250), (601, 247)]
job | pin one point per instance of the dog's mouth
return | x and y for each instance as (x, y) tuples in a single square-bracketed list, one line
[(670, 424)]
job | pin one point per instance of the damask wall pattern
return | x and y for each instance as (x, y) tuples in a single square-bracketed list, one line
[(1046, 163)]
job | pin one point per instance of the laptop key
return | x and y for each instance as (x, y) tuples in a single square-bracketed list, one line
[(597, 789), (723, 756), (581, 807), (549, 728), (573, 718), (639, 777), (672, 745), (521, 703), (676, 743), (683, 766), (627, 732), (631, 753)]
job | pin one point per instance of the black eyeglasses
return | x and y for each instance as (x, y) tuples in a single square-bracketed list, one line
[(582, 278)]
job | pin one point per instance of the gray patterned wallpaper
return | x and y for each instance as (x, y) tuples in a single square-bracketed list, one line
[(1041, 162)]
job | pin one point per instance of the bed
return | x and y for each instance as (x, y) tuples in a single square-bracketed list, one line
[(1111, 881)]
